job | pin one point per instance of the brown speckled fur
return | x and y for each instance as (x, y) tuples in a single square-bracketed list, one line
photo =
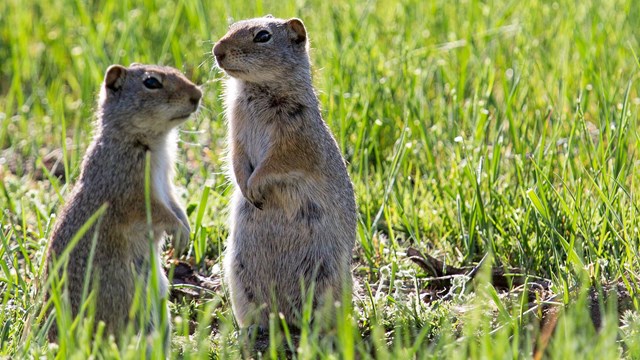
[(293, 214), (132, 121)]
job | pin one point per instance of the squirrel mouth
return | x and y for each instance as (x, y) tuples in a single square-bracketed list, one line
[(180, 117), (185, 115), (228, 70)]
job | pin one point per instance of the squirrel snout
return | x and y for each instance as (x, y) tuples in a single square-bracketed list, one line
[(195, 96), (218, 52)]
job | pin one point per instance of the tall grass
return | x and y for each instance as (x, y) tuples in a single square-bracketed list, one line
[(470, 128)]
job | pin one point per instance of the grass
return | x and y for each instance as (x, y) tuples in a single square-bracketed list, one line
[(504, 128)]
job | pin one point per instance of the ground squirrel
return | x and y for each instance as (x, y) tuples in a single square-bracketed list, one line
[(293, 214), (138, 109)]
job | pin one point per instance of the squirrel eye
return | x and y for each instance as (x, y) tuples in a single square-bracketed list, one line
[(262, 37), (152, 83)]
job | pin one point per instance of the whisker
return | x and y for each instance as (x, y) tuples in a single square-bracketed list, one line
[(190, 143), (191, 132), (202, 63)]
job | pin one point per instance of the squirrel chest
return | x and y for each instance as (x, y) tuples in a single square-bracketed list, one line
[(161, 172), (253, 128)]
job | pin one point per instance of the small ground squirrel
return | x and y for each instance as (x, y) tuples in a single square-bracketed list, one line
[(293, 214), (138, 109)]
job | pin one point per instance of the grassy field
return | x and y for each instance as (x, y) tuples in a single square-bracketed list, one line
[(502, 131)]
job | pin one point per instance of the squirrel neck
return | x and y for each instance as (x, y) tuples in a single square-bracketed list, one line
[(123, 135), (110, 150), (296, 87)]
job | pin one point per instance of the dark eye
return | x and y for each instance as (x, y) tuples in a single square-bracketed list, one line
[(262, 37), (152, 83)]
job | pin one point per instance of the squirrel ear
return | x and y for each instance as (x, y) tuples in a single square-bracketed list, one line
[(114, 78), (134, 64), (298, 32)]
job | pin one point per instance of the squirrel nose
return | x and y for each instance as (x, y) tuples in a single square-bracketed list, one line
[(218, 52), (195, 97)]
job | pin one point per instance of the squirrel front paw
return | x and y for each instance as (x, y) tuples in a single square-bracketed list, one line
[(254, 192), (180, 237)]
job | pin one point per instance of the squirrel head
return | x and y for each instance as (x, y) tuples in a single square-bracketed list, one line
[(146, 99), (264, 50)]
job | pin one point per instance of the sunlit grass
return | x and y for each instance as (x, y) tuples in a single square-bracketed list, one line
[(470, 128)]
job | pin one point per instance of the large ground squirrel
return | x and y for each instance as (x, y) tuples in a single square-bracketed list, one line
[(138, 110), (293, 214)]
